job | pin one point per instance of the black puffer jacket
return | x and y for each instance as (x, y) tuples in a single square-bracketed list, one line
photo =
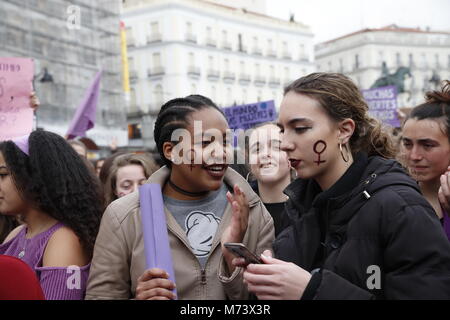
[(370, 236)]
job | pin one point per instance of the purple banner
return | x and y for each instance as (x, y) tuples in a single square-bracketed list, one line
[(383, 104), (247, 115)]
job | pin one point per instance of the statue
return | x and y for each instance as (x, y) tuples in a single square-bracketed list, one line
[(396, 79)]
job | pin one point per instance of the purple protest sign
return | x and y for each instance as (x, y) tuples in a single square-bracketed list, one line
[(16, 115), (154, 227), (383, 104), (247, 115)]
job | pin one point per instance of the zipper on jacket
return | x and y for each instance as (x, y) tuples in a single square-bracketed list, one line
[(203, 277)]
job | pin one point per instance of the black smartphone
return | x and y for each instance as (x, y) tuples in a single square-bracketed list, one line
[(242, 251)]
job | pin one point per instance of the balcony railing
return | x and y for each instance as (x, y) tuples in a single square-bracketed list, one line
[(210, 42), (304, 57), (274, 81), (156, 71), (229, 75), (259, 80), (193, 71), (154, 38), (213, 74), (190, 37), (244, 77), (287, 55), (257, 51), (226, 45), (271, 53)]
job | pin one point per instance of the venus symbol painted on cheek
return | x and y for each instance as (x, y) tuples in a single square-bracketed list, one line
[(323, 146)]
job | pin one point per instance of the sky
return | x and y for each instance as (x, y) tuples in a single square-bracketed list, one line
[(330, 19)]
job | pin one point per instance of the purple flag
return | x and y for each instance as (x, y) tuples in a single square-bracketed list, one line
[(154, 228), (84, 118)]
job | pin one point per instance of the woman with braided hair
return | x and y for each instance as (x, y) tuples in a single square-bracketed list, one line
[(206, 204)]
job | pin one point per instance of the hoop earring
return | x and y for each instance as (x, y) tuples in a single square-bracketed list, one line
[(342, 153), (295, 172)]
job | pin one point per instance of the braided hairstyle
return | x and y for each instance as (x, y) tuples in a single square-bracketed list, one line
[(174, 115), (55, 179)]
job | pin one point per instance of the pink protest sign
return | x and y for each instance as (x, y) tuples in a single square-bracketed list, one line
[(16, 84)]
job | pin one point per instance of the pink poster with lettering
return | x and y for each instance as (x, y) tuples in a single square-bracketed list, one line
[(16, 84)]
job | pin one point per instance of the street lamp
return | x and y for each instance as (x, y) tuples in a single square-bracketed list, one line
[(44, 77)]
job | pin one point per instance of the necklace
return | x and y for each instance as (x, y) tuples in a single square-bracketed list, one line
[(24, 248), (187, 193)]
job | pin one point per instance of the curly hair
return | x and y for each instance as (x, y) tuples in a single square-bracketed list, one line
[(54, 179), (341, 99), (143, 160)]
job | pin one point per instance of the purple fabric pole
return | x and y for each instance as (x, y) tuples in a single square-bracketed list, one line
[(84, 118), (154, 226)]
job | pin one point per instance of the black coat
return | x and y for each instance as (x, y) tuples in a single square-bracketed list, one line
[(373, 217)]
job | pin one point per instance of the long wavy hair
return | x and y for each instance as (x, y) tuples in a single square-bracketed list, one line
[(54, 179), (341, 99)]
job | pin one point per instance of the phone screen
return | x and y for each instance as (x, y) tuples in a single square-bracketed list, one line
[(243, 252)]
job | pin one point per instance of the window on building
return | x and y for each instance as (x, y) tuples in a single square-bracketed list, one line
[(208, 32), (269, 44), (241, 48), (285, 47), (380, 59), (398, 59), (257, 69), (133, 100), (134, 131), (287, 74), (259, 96), (255, 42), (229, 97), (189, 27), (156, 57), (226, 63), (242, 67), (330, 66), (154, 28), (158, 97), (224, 36), (448, 63), (129, 33), (191, 59), (193, 89), (244, 96), (424, 60), (436, 59), (211, 62), (272, 71), (213, 93), (357, 62), (131, 63), (411, 60), (341, 65)]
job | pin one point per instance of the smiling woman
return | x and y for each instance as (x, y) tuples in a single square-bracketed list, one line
[(206, 204)]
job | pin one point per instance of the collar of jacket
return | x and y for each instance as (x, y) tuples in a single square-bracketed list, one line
[(231, 178), (365, 174)]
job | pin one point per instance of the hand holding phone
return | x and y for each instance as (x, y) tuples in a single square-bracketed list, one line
[(241, 251)]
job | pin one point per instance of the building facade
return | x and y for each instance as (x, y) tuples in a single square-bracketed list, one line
[(70, 41), (361, 55), (230, 54)]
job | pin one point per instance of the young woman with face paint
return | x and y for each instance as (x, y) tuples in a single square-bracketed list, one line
[(425, 149), (361, 228), (206, 204)]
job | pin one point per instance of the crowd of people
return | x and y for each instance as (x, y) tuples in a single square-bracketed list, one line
[(329, 203)]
